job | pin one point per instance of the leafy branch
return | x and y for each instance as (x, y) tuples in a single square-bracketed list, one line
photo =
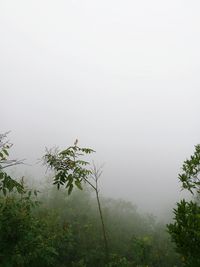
[(190, 172), (7, 184)]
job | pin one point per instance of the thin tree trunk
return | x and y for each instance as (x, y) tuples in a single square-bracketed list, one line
[(103, 225)]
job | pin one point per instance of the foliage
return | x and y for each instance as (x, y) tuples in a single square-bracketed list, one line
[(190, 175), (117, 261), (27, 239), (63, 231), (130, 233), (69, 169), (7, 184), (185, 231), (56, 228)]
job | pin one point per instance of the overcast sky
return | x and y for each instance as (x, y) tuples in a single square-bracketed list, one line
[(121, 76)]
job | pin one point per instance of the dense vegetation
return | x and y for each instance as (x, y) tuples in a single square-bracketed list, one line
[(53, 228), (65, 230), (185, 230)]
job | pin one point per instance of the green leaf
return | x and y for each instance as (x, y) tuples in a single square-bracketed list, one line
[(5, 152), (70, 188), (78, 184), (4, 191)]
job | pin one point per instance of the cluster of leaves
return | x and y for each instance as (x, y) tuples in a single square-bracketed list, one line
[(70, 170), (4, 146), (28, 238), (7, 184), (190, 176), (185, 230)]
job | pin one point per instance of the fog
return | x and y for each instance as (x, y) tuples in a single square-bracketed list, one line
[(121, 76)]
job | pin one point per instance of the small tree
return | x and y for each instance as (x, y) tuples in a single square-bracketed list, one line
[(71, 170), (185, 231)]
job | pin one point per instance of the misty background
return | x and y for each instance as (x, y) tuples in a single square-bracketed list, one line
[(121, 76)]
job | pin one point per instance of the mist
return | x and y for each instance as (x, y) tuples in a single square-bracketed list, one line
[(122, 77)]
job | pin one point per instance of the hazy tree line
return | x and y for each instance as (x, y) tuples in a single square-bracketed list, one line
[(70, 227)]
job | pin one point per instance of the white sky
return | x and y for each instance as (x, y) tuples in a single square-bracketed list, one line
[(122, 76)]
